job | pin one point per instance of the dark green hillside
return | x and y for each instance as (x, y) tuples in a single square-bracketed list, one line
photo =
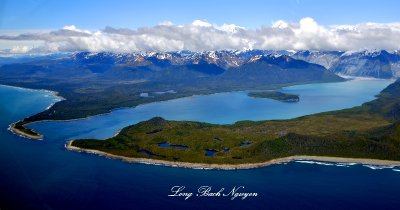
[(100, 84), (368, 131)]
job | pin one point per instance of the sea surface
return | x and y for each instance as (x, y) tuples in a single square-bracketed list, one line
[(44, 175)]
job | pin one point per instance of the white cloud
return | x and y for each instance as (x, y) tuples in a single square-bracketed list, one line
[(229, 28), (201, 23), (20, 49), (71, 27), (280, 24), (166, 23), (201, 35)]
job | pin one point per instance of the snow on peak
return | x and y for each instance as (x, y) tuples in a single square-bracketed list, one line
[(255, 58), (371, 53), (163, 56), (291, 52), (213, 55)]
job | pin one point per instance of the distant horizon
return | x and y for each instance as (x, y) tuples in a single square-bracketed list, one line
[(7, 54)]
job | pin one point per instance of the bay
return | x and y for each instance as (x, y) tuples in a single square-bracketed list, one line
[(43, 175), (222, 108)]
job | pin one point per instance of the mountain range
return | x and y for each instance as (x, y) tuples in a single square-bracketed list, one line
[(95, 83), (377, 63)]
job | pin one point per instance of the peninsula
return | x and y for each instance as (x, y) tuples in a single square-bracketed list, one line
[(96, 83), (369, 131), (20, 129)]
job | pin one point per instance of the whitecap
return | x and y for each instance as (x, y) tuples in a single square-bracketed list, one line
[(314, 162), (375, 167), (342, 165), (339, 164)]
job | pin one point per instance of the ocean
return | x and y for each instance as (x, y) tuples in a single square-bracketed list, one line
[(44, 175)]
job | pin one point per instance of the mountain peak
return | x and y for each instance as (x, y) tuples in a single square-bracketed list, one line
[(370, 63)]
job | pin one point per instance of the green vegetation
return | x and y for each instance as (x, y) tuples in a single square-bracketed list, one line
[(97, 86), (285, 97), (371, 130), (19, 128)]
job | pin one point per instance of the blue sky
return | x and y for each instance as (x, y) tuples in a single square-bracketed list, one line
[(51, 26), (96, 14)]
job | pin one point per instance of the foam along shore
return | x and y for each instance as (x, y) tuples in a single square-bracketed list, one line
[(35, 136), (374, 162), (19, 126)]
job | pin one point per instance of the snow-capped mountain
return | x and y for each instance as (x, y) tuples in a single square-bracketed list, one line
[(323, 58), (379, 64), (367, 63), (376, 63)]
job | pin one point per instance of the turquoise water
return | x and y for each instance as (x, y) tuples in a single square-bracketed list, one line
[(223, 108), (43, 175)]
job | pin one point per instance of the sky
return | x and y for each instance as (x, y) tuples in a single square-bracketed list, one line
[(70, 25)]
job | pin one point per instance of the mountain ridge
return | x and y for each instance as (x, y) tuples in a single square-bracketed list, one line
[(364, 63), (95, 83)]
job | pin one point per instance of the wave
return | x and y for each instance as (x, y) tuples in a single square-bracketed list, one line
[(373, 167), (315, 162), (326, 163)]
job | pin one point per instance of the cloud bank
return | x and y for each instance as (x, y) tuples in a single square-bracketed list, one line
[(201, 35)]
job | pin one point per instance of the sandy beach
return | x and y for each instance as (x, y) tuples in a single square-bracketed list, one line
[(375, 162), (14, 130), (39, 136)]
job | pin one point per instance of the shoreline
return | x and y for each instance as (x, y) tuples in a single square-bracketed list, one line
[(375, 162), (56, 94), (18, 132), (21, 133), (53, 92)]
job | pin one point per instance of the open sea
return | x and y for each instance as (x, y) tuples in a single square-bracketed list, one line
[(44, 175)]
